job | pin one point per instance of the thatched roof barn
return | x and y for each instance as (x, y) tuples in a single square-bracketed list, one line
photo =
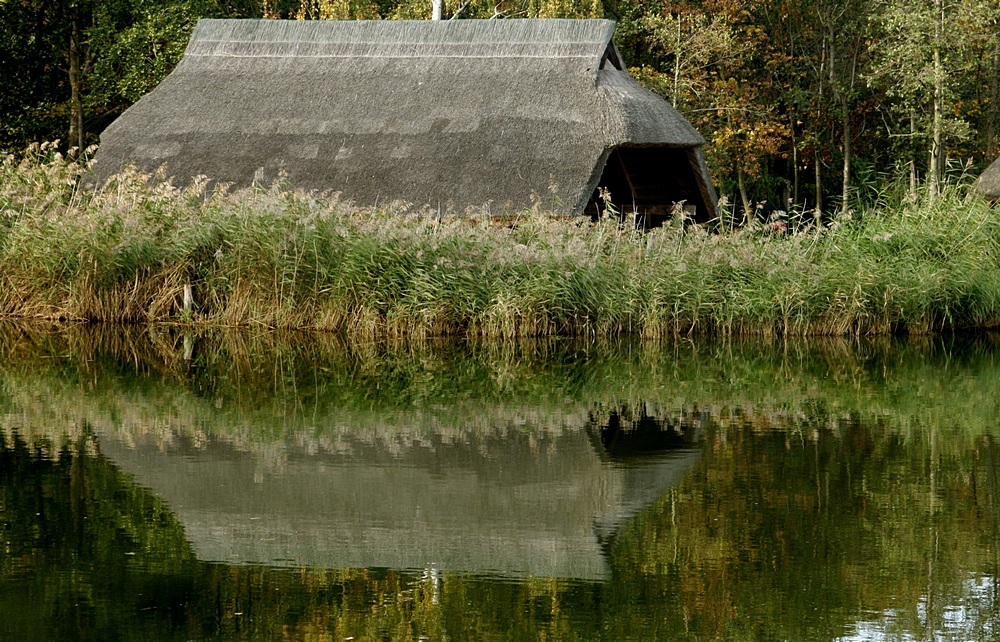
[(988, 183), (496, 114)]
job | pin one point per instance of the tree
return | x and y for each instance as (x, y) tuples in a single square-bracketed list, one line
[(845, 26), (71, 66), (926, 57), (703, 58), (33, 91), (132, 46)]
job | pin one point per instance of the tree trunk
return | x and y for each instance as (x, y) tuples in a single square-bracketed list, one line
[(991, 150), (818, 213), (936, 160), (740, 179), (437, 9), (913, 160), (75, 102), (846, 191), (819, 185), (677, 63), (795, 168)]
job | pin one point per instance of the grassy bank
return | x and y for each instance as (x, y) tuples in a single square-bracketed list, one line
[(283, 259)]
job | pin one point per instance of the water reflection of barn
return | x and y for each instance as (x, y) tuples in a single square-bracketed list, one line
[(512, 502), (501, 114)]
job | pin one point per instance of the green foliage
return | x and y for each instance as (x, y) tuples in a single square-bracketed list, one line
[(32, 89), (136, 47)]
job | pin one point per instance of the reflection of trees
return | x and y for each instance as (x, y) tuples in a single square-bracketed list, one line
[(776, 534), (794, 533), (975, 616), (78, 541), (834, 478)]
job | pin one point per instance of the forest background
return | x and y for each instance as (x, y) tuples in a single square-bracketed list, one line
[(807, 105)]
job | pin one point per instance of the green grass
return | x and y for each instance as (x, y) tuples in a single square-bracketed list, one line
[(283, 259)]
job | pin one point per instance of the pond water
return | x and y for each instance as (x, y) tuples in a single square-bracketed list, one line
[(235, 485)]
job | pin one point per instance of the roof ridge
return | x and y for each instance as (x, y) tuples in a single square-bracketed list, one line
[(585, 40), (522, 31)]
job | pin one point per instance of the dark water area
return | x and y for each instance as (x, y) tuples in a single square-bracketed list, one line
[(238, 485)]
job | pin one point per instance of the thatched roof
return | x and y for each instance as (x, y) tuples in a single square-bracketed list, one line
[(510, 506), (451, 115), (988, 183)]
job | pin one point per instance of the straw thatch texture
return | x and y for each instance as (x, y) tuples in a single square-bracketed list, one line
[(451, 115), (988, 183)]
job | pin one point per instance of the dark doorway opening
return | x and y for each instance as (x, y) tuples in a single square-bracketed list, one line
[(649, 184)]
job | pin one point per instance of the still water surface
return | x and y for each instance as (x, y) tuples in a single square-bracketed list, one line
[(261, 486)]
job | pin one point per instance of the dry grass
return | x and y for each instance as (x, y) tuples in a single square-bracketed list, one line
[(283, 259)]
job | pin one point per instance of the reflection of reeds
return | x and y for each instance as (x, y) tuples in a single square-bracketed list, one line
[(275, 392), (282, 259)]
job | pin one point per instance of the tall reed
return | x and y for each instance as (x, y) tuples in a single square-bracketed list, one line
[(280, 258)]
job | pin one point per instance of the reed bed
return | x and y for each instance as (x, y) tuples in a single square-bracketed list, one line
[(280, 258)]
